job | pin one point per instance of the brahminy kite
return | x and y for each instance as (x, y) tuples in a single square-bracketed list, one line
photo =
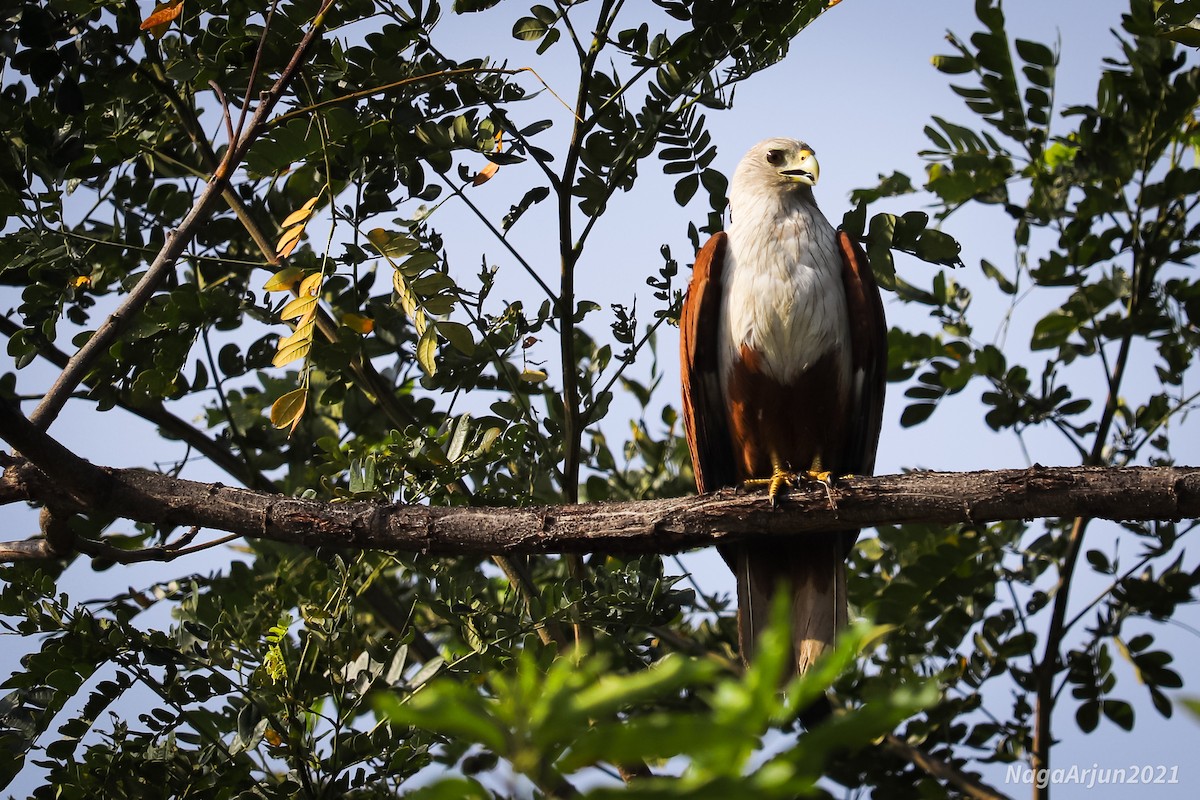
[(784, 353)]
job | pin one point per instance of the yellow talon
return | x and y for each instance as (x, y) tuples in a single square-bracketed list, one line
[(782, 479), (825, 478)]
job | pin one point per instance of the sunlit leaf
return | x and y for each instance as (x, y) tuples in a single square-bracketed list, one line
[(286, 249), (301, 334), (311, 285), (289, 408), (288, 241), (488, 439), (301, 214), (408, 301), (283, 280), (427, 351), (358, 323), (1192, 704), (292, 352), (164, 14), (485, 174), (298, 307), (458, 438)]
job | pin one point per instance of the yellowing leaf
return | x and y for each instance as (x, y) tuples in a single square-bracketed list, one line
[(533, 375), (291, 353), (298, 307), (358, 323), (310, 285), (164, 14), (287, 249), (289, 239), (408, 301), (427, 351), (81, 281), (484, 175), (288, 409), (284, 279), (301, 214), (302, 333)]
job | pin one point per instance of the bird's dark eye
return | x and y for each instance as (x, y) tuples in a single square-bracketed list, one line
[(775, 157)]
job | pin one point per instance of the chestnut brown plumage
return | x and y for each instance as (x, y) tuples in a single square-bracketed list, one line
[(784, 352)]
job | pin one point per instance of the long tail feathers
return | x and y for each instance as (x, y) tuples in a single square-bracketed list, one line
[(814, 571)]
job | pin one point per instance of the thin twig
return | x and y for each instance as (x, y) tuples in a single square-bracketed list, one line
[(225, 109), (388, 87), (97, 548), (525, 265)]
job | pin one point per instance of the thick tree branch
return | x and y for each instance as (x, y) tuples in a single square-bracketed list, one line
[(28, 550), (660, 526)]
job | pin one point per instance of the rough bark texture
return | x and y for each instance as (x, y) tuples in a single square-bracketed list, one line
[(658, 526)]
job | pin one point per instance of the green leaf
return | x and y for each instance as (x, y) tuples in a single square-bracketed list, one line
[(389, 243), (451, 788), (448, 708), (458, 335), (992, 272), (614, 692), (529, 29), (937, 247), (1035, 53), (652, 737), (953, 65), (1119, 712), (458, 438), (916, 413), (685, 189), (1053, 330), (1087, 716), (1192, 704)]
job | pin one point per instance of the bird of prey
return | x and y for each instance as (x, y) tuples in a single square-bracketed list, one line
[(784, 352)]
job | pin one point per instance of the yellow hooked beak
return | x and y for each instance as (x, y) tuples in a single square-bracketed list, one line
[(803, 168)]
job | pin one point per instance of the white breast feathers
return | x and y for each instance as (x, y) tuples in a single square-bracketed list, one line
[(782, 293)]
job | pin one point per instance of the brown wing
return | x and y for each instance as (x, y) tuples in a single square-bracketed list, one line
[(704, 416), (868, 357)]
